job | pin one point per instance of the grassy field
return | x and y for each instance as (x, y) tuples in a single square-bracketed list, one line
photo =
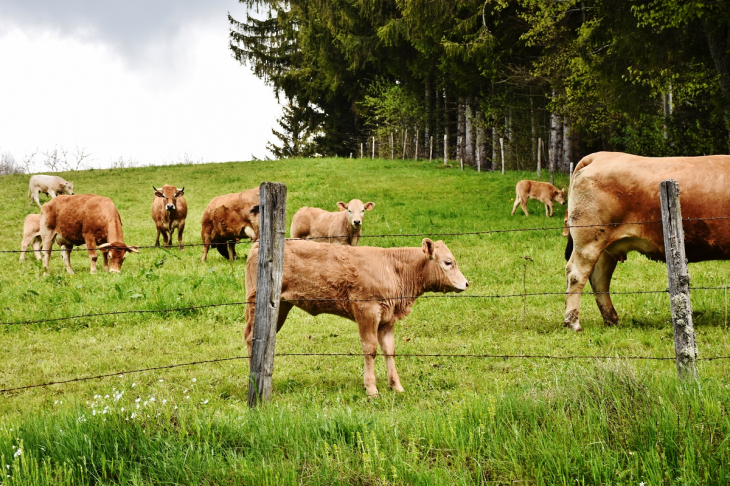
[(460, 421)]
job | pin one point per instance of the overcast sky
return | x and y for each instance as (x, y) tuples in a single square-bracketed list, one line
[(151, 81)]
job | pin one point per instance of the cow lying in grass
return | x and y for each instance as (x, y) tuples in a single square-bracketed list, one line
[(341, 228), (374, 287), (544, 192)]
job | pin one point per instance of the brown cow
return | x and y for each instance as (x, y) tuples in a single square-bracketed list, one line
[(169, 211), (374, 287), (84, 219), (327, 227), (612, 190), (31, 234), (229, 218), (544, 192)]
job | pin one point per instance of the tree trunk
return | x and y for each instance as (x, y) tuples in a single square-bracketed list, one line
[(494, 148), (447, 125), (567, 151)]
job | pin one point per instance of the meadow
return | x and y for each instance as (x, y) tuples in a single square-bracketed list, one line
[(460, 420)]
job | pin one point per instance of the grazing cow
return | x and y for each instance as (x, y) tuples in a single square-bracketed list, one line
[(374, 287), (613, 190), (544, 192), (31, 235), (50, 185), (84, 219), (229, 218), (169, 211), (327, 227)]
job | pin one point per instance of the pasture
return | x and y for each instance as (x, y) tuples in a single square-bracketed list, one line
[(460, 420)]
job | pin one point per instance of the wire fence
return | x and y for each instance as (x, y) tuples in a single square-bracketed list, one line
[(390, 298)]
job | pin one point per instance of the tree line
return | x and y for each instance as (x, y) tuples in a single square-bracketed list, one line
[(495, 81)]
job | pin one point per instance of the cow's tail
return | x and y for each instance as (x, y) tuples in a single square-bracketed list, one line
[(222, 248), (569, 247)]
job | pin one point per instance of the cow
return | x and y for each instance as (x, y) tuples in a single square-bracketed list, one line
[(84, 219), (341, 228), (50, 185), (375, 287), (614, 191), (31, 235), (544, 192), (229, 218), (169, 211)]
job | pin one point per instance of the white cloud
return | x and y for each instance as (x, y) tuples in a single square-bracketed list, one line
[(186, 96)]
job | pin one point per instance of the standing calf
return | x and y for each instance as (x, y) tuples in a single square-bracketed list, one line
[(544, 192), (169, 211), (84, 219), (31, 234), (374, 287), (50, 185), (229, 218), (341, 228)]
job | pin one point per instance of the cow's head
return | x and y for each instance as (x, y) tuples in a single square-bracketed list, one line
[(253, 216), (116, 253), (444, 275), (355, 211), (66, 188), (169, 194), (559, 196)]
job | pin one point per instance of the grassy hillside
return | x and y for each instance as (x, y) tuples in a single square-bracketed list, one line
[(460, 420)]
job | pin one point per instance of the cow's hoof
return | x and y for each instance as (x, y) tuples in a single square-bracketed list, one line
[(573, 325), (397, 388), (372, 392)]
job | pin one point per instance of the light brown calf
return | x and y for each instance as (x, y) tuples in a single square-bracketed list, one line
[(341, 228), (229, 218), (169, 211), (610, 192), (84, 219), (50, 185), (31, 234), (374, 287), (544, 192)]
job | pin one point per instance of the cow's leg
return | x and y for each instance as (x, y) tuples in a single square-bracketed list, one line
[(47, 238), (105, 256), (36, 193), (523, 203), (51, 193), (91, 246), (517, 203), (37, 247), (66, 255), (601, 281), (180, 229), (24, 246), (577, 271), (548, 209), (206, 247), (367, 323), (165, 237), (157, 238), (231, 250), (387, 345)]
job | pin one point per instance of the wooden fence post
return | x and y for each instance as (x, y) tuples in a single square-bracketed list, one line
[(270, 271), (416, 154), (392, 147), (430, 151), (372, 156), (539, 146), (361, 151), (501, 148), (405, 138), (570, 173), (446, 149), (685, 345), (478, 151)]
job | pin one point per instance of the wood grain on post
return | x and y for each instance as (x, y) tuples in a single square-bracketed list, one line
[(446, 149), (539, 162), (270, 270), (372, 156), (685, 345), (501, 148)]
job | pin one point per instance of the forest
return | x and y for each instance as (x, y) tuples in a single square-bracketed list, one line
[(492, 82)]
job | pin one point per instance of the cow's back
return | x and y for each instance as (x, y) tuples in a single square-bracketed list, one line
[(74, 216), (610, 187), (310, 222)]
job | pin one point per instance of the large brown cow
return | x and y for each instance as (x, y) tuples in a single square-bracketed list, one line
[(229, 218), (84, 219), (169, 210), (544, 192), (341, 228), (612, 190), (31, 235), (374, 287)]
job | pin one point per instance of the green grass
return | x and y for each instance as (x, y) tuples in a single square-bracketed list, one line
[(460, 421)]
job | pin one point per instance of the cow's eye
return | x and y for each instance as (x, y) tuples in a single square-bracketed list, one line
[(448, 263)]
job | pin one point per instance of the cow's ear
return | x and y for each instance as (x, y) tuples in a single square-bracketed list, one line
[(342, 206), (181, 192), (159, 194), (429, 248), (255, 209), (369, 205)]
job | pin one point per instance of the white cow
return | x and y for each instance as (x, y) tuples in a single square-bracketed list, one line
[(50, 185)]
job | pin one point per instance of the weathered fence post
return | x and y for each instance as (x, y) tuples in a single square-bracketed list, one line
[(392, 147), (430, 152), (446, 149), (372, 156), (685, 346), (416, 154), (539, 146), (405, 138), (361, 150), (270, 271), (570, 173), (501, 148)]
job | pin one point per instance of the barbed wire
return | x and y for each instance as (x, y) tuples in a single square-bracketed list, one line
[(121, 374), (393, 235), (373, 299)]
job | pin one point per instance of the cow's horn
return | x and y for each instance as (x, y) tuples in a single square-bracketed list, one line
[(153, 187), (104, 245), (133, 249)]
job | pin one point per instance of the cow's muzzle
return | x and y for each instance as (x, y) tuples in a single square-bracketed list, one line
[(170, 207), (357, 223)]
